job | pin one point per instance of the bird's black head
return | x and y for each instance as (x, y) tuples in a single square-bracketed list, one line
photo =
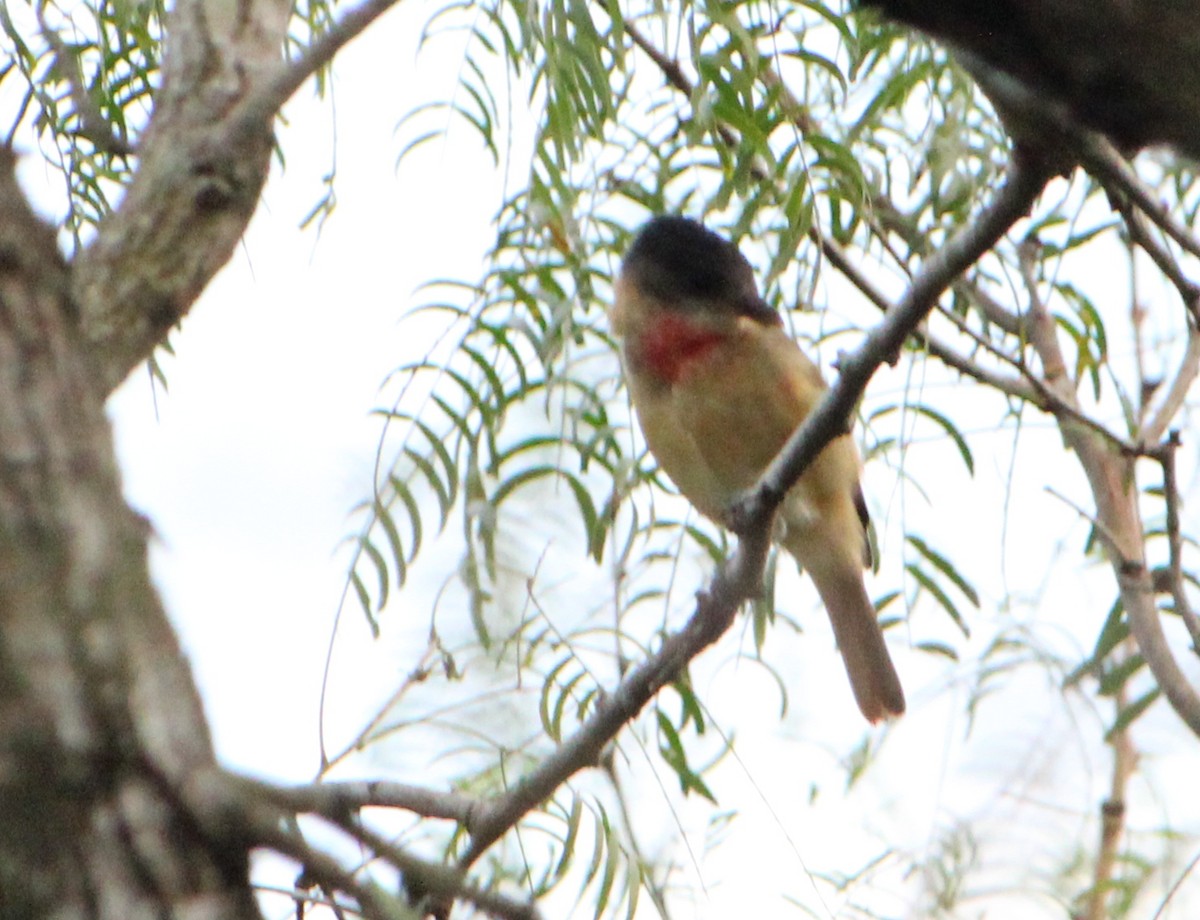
[(679, 262)]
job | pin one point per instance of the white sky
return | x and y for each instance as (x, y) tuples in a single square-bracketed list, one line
[(249, 466)]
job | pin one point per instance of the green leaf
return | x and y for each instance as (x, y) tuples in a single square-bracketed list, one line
[(568, 844), (1114, 678), (943, 565), (1133, 711), (940, 596), (364, 602), (549, 724), (937, 648)]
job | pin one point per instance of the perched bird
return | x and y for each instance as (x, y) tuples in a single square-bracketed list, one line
[(719, 387)]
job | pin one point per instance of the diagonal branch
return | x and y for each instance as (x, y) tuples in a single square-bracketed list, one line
[(1110, 476), (1101, 159), (338, 798), (204, 159), (1011, 386), (1166, 456), (741, 578), (1027, 177), (196, 186), (268, 98), (714, 614)]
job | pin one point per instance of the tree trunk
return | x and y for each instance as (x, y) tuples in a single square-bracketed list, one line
[(103, 742), (100, 724)]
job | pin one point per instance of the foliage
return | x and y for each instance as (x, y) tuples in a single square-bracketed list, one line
[(86, 84), (799, 130), (841, 153)]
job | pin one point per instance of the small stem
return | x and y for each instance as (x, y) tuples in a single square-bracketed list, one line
[(1112, 814)]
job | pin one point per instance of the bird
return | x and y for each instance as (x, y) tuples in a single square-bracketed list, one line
[(718, 387)]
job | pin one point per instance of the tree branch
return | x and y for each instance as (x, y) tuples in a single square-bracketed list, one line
[(204, 159), (741, 578), (1102, 160), (1166, 456), (265, 100), (1026, 179), (338, 798), (1110, 475), (223, 803), (197, 184), (714, 614), (1012, 386), (1112, 815)]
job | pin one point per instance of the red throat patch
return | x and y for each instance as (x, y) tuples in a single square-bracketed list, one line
[(671, 344)]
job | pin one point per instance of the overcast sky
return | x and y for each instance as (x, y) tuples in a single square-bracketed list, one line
[(249, 465)]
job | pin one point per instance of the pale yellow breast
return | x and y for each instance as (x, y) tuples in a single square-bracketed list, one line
[(717, 428)]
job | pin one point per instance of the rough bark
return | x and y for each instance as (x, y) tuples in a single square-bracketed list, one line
[(202, 164), (101, 728), (103, 742), (99, 719)]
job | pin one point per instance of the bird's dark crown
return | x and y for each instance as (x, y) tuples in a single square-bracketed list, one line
[(678, 261), (677, 257)]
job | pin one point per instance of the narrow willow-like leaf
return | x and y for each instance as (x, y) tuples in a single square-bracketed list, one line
[(1132, 712), (943, 565), (612, 862), (364, 602), (942, 598), (1114, 677), (549, 725), (568, 844)]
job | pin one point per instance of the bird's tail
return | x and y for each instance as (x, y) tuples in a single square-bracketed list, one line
[(872, 675)]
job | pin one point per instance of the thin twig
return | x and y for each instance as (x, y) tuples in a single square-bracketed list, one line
[(840, 260), (1112, 815), (1167, 898), (266, 99), (1176, 395), (417, 675), (1106, 164), (653, 887), (1024, 183), (339, 798), (1102, 529), (1166, 456)]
